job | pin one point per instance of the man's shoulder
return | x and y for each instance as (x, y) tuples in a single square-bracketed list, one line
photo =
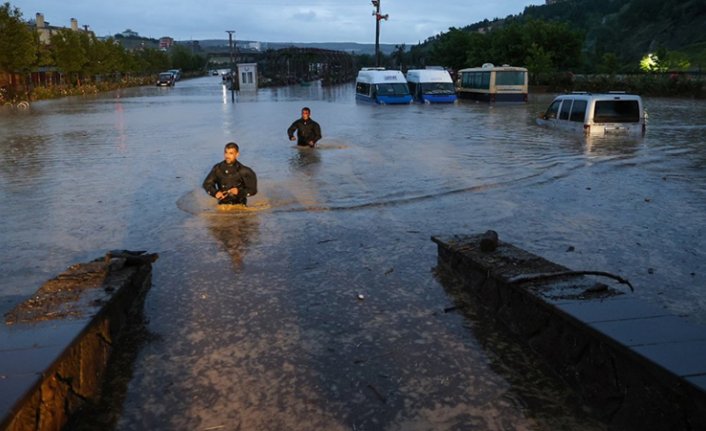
[(247, 169)]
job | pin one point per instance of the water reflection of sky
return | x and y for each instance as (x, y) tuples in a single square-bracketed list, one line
[(256, 313)]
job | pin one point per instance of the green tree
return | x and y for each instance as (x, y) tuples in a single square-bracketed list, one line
[(180, 57), (17, 43), (451, 48), (609, 63), (398, 56), (151, 61), (69, 53), (478, 51), (538, 62)]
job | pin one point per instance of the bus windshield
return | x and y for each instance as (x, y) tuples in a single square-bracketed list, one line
[(510, 78), (438, 88), (397, 89)]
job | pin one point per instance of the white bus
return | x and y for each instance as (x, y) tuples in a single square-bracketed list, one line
[(431, 85), (490, 83), (386, 87)]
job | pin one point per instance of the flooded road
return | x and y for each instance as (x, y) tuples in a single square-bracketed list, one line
[(255, 317)]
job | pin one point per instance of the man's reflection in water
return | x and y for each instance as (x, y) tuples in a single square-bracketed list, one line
[(305, 164), (236, 230), (306, 160)]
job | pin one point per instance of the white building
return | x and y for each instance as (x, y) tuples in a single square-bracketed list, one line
[(247, 76)]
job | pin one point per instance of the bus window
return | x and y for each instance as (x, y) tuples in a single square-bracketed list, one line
[(509, 78), (392, 89), (578, 111), (565, 109), (362, 88), (435, 88)]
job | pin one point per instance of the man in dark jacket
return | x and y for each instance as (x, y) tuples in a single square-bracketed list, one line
[(230, 181), (308, 130)]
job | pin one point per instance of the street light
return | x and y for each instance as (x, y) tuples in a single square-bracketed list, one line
[(378, 17), (232, 61)]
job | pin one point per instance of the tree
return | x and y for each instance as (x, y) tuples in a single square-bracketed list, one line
[(17, 44), (69, 54), (180, 57), (398, 56), (451, 48), (538, 61), (663, 61), (609, 63)]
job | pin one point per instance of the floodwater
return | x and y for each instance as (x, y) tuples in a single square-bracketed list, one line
[(255, 317)]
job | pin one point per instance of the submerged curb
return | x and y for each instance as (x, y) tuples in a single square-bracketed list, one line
[(56, 345), (635, 364)]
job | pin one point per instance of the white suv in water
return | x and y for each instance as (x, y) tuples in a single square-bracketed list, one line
[(596, 114)]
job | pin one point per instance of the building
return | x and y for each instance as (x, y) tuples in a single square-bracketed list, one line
[(46, 31), (165, 43), (247, 76)]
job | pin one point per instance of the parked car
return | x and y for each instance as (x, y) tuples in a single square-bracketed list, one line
[(176, 73), (596, 114), (165, 79)]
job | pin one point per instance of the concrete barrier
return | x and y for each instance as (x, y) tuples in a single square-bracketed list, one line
[(636, 365), (55, 346)]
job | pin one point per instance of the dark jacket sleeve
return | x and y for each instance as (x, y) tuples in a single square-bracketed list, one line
[(292, 129), (249, 182), (317, 132), (209, 184)]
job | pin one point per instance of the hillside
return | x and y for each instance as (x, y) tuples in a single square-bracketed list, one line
[(633, 28), (627, 29)]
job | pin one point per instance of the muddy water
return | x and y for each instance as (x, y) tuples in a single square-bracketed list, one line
[(255, 315)]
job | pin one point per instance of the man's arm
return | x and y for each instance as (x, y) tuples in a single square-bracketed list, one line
[(317, 132), (209, 184), (249, 187), (292, 129)]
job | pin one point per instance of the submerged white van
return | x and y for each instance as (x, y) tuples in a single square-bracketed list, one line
[(376, 84), (431, 85), (596, 114)]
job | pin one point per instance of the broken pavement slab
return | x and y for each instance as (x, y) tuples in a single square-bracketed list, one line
[(637, 365), (55, 346)]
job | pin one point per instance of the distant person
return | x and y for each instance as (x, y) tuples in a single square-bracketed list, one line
[(308, 130), (230, 181)]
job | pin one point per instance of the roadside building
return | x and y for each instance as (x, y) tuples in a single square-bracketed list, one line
[(46, 30)]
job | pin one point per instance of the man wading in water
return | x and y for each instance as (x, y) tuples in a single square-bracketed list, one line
[(308, 130), (230, 181)]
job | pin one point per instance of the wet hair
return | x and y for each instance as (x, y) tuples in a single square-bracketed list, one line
[(306, 109), (232, 146)]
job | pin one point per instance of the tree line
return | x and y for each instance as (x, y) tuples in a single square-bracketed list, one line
[(541, 46), (79, 55)]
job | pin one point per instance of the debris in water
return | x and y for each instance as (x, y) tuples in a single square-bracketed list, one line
[(361, 296)]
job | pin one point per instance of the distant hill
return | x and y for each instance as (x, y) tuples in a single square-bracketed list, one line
[(352, 47)]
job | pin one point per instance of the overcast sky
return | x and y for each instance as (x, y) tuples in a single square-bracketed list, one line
[(411, 21)]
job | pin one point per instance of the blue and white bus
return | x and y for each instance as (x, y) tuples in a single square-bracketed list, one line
[(490, 83), (431, 85), (386, 87)]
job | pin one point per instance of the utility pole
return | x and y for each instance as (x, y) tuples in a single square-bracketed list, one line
[(232, 63), (378, 17)]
